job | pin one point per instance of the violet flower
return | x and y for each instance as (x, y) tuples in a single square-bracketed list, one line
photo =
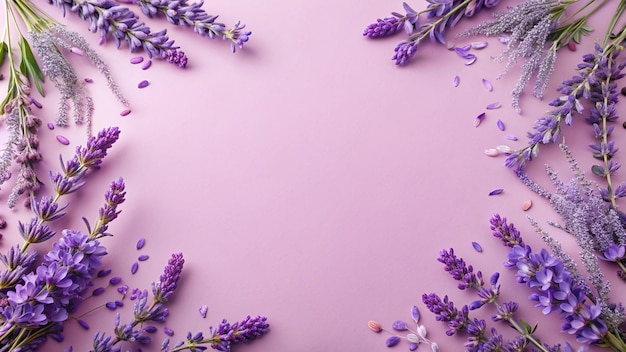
[(181, 13), (223, 336), (589, 318), (112, 20)]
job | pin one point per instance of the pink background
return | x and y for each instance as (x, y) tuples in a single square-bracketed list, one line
[(306, 177)]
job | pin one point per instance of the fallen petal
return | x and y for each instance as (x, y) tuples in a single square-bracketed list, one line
[(477, 247), (399, 325), (471, 60), (487, 85), (392, 341), (500, 125), (456, 81), (479, 45), (496, 192), (493, 106), (374, 326)]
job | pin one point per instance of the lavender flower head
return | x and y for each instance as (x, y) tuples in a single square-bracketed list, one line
[(169, 279), (245, 331)]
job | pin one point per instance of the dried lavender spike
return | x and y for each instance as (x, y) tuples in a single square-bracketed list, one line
[(143, 84), (456, 81), (496, 192), (494, 106), (63, 140), (477, 247), (136, 60), (487, 85), (141, 243), (500, 125)]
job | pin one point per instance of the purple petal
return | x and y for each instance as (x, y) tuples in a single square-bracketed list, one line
[(472, 59), (493, 106), (462, 53), (134, 268), (487, 85), (479, 119), (399, 325), (136, 60), (456, 81), (392, 341), (143, 257), (141, 243), (415, 314), (500, 125), (63, 140), (83, 324), (496, 192), (477, 247), (143, 84), (511, 137)]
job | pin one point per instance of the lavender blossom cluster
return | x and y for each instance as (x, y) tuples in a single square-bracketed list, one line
[(110, 19), (597, 226), (37, 295), (595, 83), (556, 287), (440, 15), (181, 13)]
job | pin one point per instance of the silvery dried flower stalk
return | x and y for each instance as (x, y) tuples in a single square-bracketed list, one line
[(529, 25), (181, 13), (51, 42), (596, 225), (589, 317)]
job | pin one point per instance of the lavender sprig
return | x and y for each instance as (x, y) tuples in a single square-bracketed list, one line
[(476, 329), (596, 225), (446, 14), (110, 19), (37, 301), (440, 15), (584, 315), (181, 13), (223, 336), (415, 337)]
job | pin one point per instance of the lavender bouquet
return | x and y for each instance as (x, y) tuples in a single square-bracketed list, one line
[(39, 293), (42, 53), (534, 31)]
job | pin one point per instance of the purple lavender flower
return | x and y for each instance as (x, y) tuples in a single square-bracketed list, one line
[(181, 13), (114, 196), (110, 19), (176, 57), (169, 279), (460, 271), (509, 235), (384, 27), (245, 331)]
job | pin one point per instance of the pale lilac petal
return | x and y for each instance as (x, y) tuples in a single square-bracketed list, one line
[(496, 192), (487, 85), (500, 125), (456, 81), (479, 45), (494, 106)]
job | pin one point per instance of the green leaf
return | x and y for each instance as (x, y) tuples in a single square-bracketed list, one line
[(525, 326), (29, 65), (4, 49)]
